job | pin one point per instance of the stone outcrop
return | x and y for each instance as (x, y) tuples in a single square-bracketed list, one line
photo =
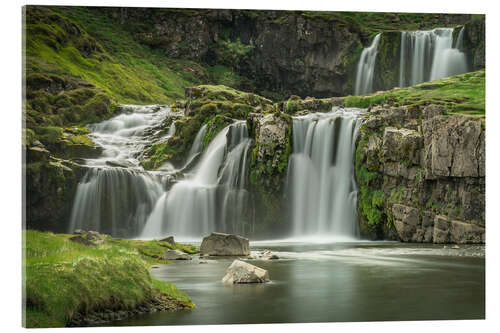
[(268, 168), (416, 168), (242, 272), (220, 244), (88, 238), (176, 255), (271, 136)]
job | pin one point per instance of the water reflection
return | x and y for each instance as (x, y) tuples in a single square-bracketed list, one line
[(328, 283)]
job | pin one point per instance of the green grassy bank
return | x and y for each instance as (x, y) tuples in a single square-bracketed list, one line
[(63, 278), (464, 94)]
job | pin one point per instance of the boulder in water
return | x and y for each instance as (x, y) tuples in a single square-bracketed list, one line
[(242, 272), (220, 244), (176, 255)]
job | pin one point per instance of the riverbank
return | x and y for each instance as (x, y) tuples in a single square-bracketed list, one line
[(71, 284)]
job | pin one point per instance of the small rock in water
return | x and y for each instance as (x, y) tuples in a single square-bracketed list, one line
[(264, 255), (455, 247), (242, 272), (176, 255)]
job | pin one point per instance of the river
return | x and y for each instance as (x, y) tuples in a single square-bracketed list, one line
[(339, 282)]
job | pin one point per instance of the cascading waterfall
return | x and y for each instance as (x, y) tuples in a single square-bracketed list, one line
[(430, 55), (321, 181), (116, 195), (366, 68), (213, 196)]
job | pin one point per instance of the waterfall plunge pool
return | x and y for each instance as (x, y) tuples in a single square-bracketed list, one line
[(339, 282)]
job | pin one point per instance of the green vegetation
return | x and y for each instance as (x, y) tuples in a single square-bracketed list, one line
[(464, 94), (372, 22), (215, 105), (232, 52), (83, 43), (63, 278)]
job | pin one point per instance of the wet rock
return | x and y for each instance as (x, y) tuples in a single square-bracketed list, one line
[(176, 255), (242, 272), (169, 239), (220, 244), (265, 255), (120, 163)]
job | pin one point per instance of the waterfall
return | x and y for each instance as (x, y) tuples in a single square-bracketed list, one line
[(116, 195), (213, 197), (430, 55), (115, 201), (366, 68), (321, 181)]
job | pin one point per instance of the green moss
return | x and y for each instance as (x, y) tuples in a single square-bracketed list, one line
[(102, 53), (231, 53), (50, 134), (63, 278), (464, 94), (214, 126)]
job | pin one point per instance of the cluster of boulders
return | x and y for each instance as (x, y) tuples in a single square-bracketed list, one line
[(228, 245)]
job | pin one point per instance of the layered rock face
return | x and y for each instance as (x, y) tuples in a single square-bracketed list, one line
[(427, 170), (284, 52)]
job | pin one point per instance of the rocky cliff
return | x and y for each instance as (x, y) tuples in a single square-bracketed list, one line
[(421, 175), (280, 53)]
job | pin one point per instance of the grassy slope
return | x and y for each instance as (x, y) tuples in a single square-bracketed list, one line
[(373, 22), (464, 94), (125, 69), (63, 277)]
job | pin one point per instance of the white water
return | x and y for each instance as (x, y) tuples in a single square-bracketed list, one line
[(213, 197), (116, 195), (321, 181), (366, 68), (430, 55)]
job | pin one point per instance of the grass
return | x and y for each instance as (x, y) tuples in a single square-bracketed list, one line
[(63, 278), (125, 69), (462, 94), (372, 22)]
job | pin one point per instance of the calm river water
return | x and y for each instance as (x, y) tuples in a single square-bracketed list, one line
[(369, 281)]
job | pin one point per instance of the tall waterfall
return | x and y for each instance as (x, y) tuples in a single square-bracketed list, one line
[(321, 180), (116, 195), (430, 55), (366, 68), (213, 197)]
